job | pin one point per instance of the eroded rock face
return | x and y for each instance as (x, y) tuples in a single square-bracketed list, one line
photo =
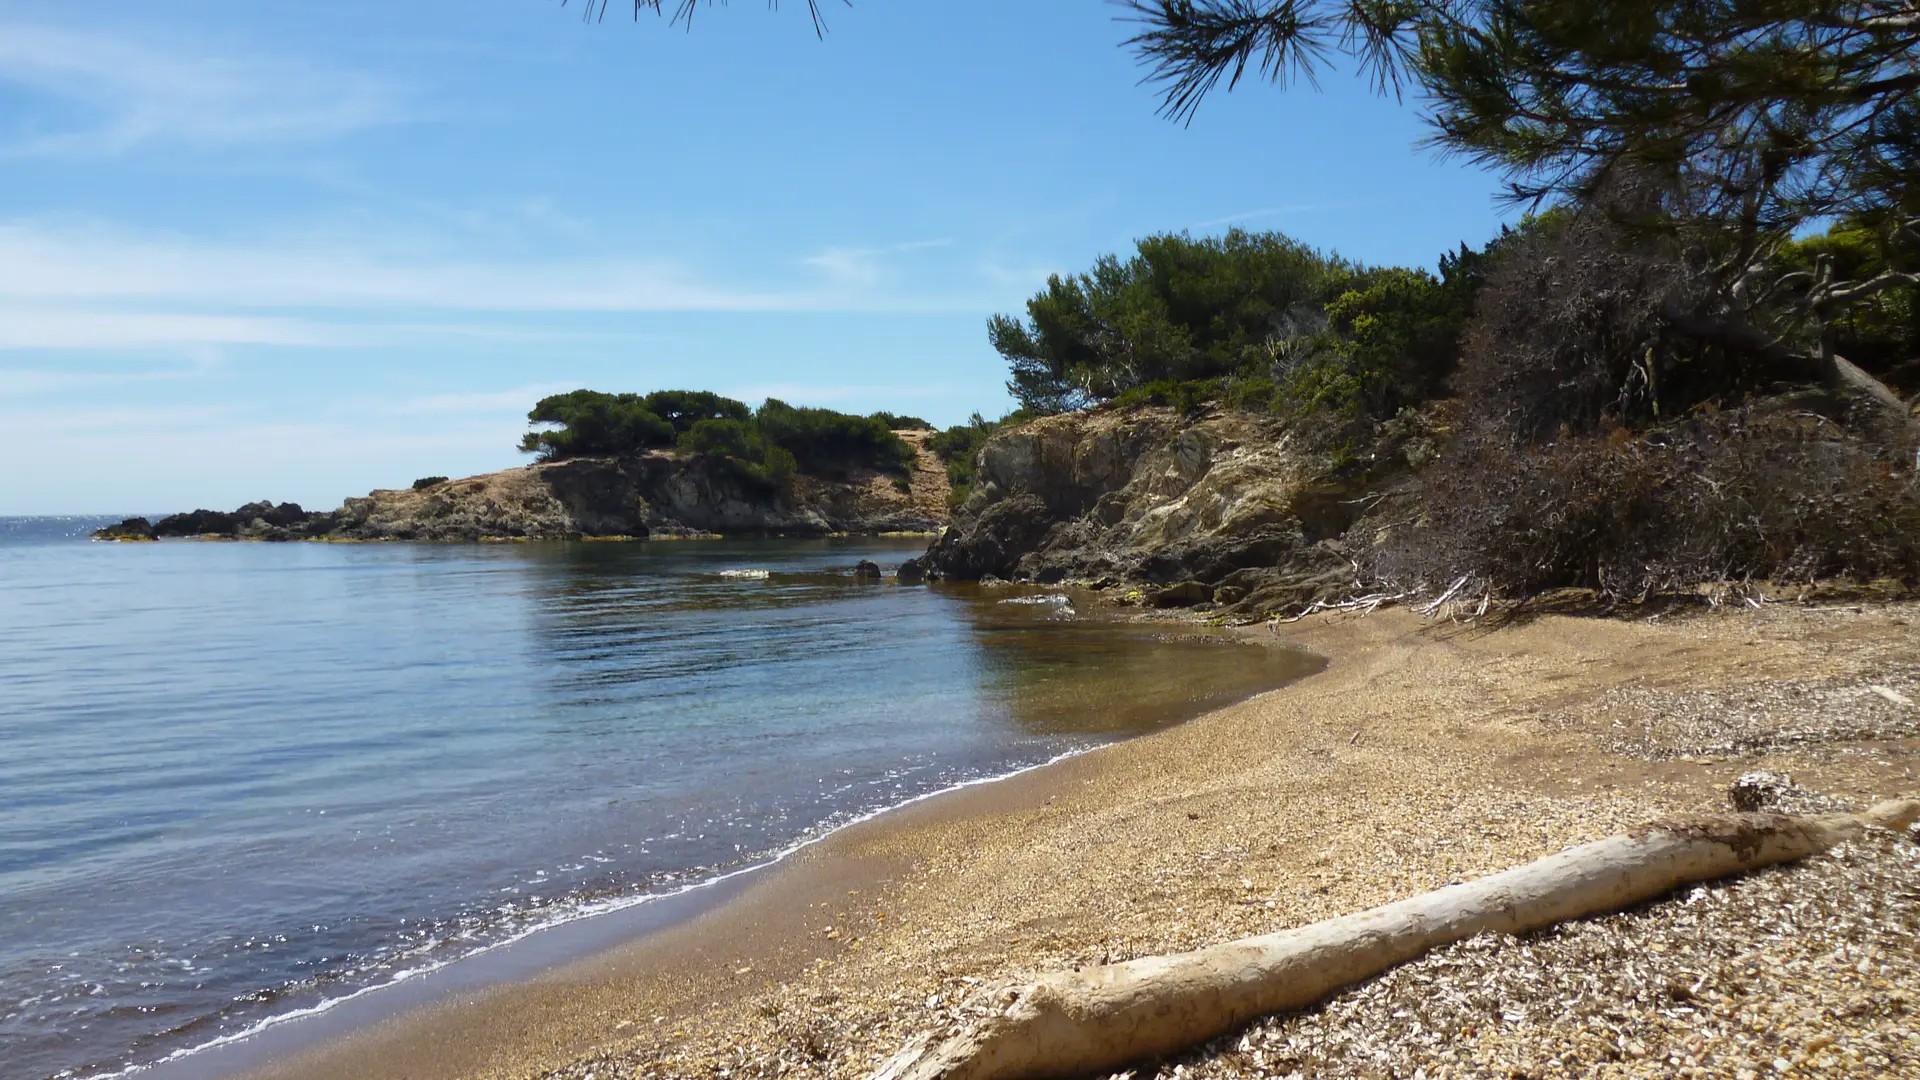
[(1219, 509)]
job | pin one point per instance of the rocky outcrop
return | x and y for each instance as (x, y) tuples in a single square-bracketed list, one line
[(256, 521), (135, 529), (658, 494), (1223, 508)]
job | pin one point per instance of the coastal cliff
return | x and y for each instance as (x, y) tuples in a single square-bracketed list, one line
[(1224, 506), (655, 494)]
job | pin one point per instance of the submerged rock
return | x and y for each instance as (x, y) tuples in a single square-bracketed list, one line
[(911, 572), (866, 570)]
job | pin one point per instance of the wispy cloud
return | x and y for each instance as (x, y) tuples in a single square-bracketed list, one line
[(18, 382), (866, 266), (54, 327), (517, 401), (134, 94), (69, 270)]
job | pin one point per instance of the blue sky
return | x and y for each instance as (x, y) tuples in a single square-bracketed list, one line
[(299, 251)]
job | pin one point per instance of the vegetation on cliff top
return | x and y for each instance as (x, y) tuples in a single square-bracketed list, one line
[(1595, 436), (770, 443)]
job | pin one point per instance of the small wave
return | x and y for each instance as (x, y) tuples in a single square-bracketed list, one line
[(747, 575), (578, 912)]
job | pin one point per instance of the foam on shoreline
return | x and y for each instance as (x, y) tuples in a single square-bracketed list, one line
[(589, 910)]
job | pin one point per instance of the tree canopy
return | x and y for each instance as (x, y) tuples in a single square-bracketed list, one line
[(1178, 309), (1786, 109), (772, 440), (1259, 309), (1728, 127)]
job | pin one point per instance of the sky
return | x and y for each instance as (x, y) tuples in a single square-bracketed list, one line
[(300, 251)]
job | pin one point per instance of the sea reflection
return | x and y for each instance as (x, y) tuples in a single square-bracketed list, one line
[(243, 778)]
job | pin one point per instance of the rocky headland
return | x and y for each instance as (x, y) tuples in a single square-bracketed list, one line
[(659, 494)]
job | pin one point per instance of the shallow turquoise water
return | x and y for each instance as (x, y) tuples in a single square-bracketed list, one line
[(239, 779)]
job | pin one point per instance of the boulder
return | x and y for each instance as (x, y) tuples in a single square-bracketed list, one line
[(911, 572), (1229, 594), (1181, 594), (993, 542), (867, 570)]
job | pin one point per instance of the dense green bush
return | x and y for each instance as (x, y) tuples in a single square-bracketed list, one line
[(426, 482), (590, 422), (733, 438), (822, 440), (1251, 320), (899, 422), (685, 408), (773, 443), (1179, 310)]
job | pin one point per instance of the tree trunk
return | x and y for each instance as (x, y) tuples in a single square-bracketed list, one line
[(1080, 1022)]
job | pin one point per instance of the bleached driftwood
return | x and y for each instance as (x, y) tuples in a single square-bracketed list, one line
[(1074, 1023)]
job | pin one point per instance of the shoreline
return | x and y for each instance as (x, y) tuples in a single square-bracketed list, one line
[(577, 941), (1291, 806), (616, 924)]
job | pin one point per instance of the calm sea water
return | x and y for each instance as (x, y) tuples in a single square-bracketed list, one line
[(238, 780)]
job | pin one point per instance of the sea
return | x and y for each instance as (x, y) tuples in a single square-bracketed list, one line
[(241, 782)]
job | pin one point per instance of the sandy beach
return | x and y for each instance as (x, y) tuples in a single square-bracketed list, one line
[(1427, 752)]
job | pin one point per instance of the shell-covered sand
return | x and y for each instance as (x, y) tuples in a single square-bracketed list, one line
[(1428, 752)]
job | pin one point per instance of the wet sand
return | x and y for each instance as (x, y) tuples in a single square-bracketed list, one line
[(1427, 752)]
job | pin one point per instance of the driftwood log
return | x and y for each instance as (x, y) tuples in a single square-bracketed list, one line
[(1074, 1023)]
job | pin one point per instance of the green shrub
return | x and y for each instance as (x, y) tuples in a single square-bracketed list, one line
[(1234, 319), (774, 442), (589, 422), (685, 408), (897, 422), (732, 438), (1179, 310), (426, 482), (778, 467), (825, 441)]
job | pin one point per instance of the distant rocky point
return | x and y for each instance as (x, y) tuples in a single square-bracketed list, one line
[(658, 494)]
